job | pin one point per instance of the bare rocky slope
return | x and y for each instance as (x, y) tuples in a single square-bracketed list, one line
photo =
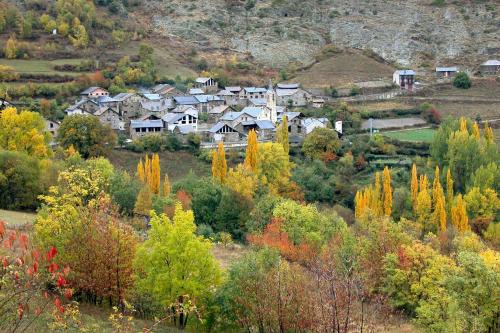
[(277, 32)]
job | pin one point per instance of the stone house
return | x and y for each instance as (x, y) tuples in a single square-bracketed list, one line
[(224, 132), (264, 128), (52, 127), (196, 91), (207, 102), (405, 79), (318, 103), (84, 106), (446, 72), (159, 107), (294, 120), (110, 116), (165, 90), (490, 67), (216, 113), (251, 93), (228, 97), (309, 124), (207, 84), (140, 128), (292, 95), (94, 92), (129, 105)]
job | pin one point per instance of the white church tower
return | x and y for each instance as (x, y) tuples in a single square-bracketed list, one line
[(271, 103)]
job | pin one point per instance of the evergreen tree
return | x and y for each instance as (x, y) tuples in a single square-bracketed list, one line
[(251, 151), (387, 192)]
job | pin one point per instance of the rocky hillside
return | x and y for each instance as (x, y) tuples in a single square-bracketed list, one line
[(277, 32)]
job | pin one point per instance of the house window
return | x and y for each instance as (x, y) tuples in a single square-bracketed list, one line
[(137, 130)]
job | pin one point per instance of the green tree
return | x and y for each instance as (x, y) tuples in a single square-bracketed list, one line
[(175, 266), (79, 38), (462, 81), (87, 135), (320, 143), (11, 48), (124, 190)]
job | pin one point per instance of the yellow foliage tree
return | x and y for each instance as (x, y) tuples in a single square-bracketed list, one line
[(11, 48), (147, 169), (463, 125), (459, 217), (449, 190), (251, 151), (475, 131), (435, 184), (155, 180), (282, 135), (273, 167), (24, 132), (166, 186), (488, 134), (140, 171), (143, 203), (219, 164), (438, 202), (387, 192), (242, 180), (414, 185)]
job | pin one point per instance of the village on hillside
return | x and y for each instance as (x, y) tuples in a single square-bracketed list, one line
[(224, 114)]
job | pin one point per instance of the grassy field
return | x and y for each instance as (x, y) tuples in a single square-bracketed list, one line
[(13, 218), (41, 66), (176, 164), (342, 70), (421, 135)]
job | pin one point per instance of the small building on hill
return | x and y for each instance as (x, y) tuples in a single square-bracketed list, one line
[(94, 92), (207, 84), (52, 127), (166, 90), (446, 72), (290, 94), (405, 79), (490, 67), (318, 103), (110, 116), (140, 128), (224, 132)]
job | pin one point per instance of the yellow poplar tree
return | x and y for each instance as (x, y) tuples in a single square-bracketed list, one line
[(463, 125), (387, 192), (140, 171), (436, 183), (11, 48), (251, 152), (166, 186), (282, 135), (143, 203), (459, 217), (147, 170), (488, 134), (424, 202), (414, 185), (449, 189), (155, 179), (438, 202), (475, 131), (219, 164)]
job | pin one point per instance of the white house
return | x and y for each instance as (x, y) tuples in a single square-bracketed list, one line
[(309, 124), (405, 79)]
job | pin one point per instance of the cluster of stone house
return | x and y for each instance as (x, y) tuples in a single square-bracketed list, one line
[(216, 114)]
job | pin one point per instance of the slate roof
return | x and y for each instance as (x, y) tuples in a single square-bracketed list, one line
[(289, 115), (157, 106), (162, 86), (251, 90), (202, 79), (288, 85), (285, 92), (103, 109), (264, 124), (218, 126), (233, 89), (79, 103), (90, 90), (196, 91), (171, 118), (225, 92), (208, 98), (446, 69), (146, 123), (230, 116), (186, 100), (491, 63), (405, 72), (258, 102), (123, 96), (310, 121), (218, 109), (252, 111), (184, 109), (106, 99), (152, 97)]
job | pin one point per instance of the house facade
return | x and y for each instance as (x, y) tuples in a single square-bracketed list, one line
[(207, 84), (292, 95), (446, 72), (405, 79), (490, 67), (140, 128), (224, 132), (94, 92), (110, 116), (52, 127)]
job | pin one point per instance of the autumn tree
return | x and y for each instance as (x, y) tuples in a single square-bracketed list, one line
[(321, 143), (424, 203), (488, 134), (273, 167), (242, 180), (166, 186), (219, 164), (175, 266), (144, 202), (155, 180), (251, 151), (141, 174), (475, 131), (414, 185), (459, 218), (282, 135), (24, 132), (11, 48), (449, 190), (387, 192), (87, 135)]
